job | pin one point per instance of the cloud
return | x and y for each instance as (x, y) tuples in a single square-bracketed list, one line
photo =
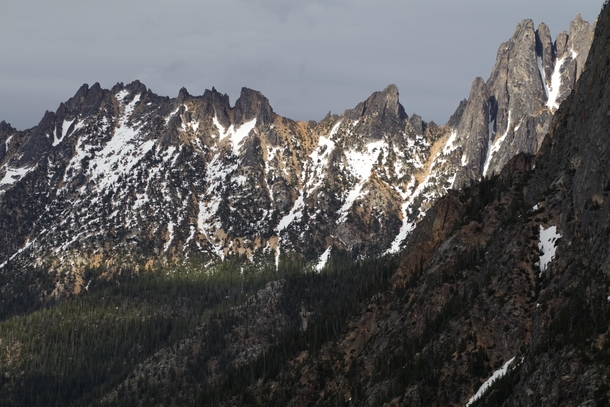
[(307, 57), (284, 9)]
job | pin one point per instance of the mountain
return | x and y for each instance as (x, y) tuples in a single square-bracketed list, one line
[(501, 297), (511, 112), (127, 180), (445, 255)]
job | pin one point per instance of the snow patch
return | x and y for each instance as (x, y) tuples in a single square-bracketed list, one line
[(543, 76), (361, 165), (407, 226), (323, 259), (64, 130), (8, 142), (277, 255), (13, 175), (170, 229), (236, 136), (449, 147), (555, 85), (547, 245), (240, 180), (131, 106), (190, 125), (121, 95), (485, 386), (207, 210), (335, 128), (295, 213), (172, 114), (494, 147)]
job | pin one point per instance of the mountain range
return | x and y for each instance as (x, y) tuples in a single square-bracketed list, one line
[(128, 179), (439, 257)]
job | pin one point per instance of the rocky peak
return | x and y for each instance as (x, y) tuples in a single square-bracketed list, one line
[(91, 101), (215, 104), (515, 82), (252, 104), (545, 50), (456, 117), (531, 76), (137, 87), (417, 124), (383, 104), (579, 42), (183, 94), (216, 98), (561, 43), (381, 114), (6, 128), (474, 132)]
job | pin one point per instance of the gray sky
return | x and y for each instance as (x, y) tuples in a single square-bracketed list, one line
[(307, 57)]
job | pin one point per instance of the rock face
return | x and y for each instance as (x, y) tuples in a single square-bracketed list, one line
[(531, 77)]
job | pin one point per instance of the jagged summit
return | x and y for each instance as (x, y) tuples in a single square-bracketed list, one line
[(252, 104), (384, 104), (531, 76), (164, 179), (380, 114)]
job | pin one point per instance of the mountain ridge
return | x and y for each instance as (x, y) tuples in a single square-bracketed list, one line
[(161, 180)]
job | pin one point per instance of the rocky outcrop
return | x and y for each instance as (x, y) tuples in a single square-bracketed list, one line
[(252, 104), (531, 77), (474, 122), (380, 113)]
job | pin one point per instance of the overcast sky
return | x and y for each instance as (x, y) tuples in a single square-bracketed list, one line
[(307, 57)]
